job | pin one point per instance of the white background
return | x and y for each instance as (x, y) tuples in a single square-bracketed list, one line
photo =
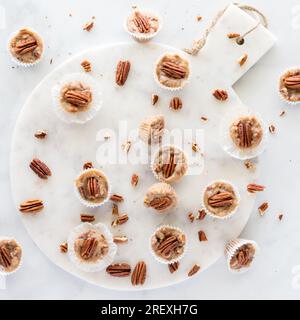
[(273, 275)]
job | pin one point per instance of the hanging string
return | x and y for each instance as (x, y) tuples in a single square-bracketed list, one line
[(260, 17)]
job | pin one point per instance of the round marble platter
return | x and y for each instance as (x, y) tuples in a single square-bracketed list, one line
[(68, 146)]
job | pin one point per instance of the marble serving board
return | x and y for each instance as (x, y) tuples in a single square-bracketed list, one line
[(68, 146)]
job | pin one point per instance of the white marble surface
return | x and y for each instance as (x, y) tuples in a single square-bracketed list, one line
[(272, 277)]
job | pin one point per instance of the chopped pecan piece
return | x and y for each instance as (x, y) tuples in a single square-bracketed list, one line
[(194, 270), (88, 248), (31, 206), (220, 94), (262, 208), (195, 147), (119, 270), (86, 65), (172, 70), (40, 134), (40, 168), (87, 217), (280, 216), (120, 239), (175, 103), (122, 72), (115, 210), (199, 18), (252, 188), (88, 26), (134, 180), (88, 165), (64, 247), (138, 276), (201, 214), (173, 267), (120, 220), (222, 199), (126, 146), (249, 165), (282, 113), (191, 216), (272, 128), (243, 59), (154, 99), (116, 197), (202, 236), (203, 118), (233, 35)]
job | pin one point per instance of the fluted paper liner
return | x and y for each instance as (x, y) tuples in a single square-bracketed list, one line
[(292, 103), (100, 264), (81, 116)]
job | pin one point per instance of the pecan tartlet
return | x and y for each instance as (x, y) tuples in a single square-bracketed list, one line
[(26, 47), (246, 132), (220, 199), (92, 187), (172, 71), (170, 164), (10, 255), (161, 197), (168, 244), (143, 25), (151, 129), (289, 86)]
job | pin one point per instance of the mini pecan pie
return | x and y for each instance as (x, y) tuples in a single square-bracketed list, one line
[(161, 197), (289, 85), (26, 46), (91, 246), (172, 71), (220, 199), (151, 129), (168, 243), (243, 257), (10, 255), (93, 186), (76, 97), (246, 132), (170, 164)]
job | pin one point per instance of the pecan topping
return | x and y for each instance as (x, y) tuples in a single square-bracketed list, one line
[(167, 245), (78, 98), (88, 248), (5, 257), (292, 82), (122, 72), (115, 210), (120, 239), (243, 59), (40, 134), (233, 35), (25, 46), (169, 168), (252, 188), (134, 180), (262, 208), (138, 276), (201, 214), (86, 65), (88, 26), (88, 165), (119, 269), (202, 236), (87, 217), (154, 99), (120, 220), (191, 216), (194, 270), (245, 133), (175, 103), (221, 95), (141, 22), (64, 247), (172, 70), (40, 168), (160, 203), (272, 128), (173, 266), (222, 199), (116, 197), (93, 188), (31, 206)]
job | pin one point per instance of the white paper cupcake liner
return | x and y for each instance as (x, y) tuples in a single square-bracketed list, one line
[(212, 215), (153, 160), (143, 37), (160, 259), (14, 59), (227, 143), (291, 103), (99, 264), (230, 249), (183, 84), (77, 117), (85, 202)]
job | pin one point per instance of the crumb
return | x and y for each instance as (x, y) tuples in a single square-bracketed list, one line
[(283, 113), (272, 128), (199, 18)]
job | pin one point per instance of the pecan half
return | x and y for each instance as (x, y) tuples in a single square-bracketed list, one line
[(40, 168), (134, 180), (252, 188), (167, 245), (245, 133), (120, 239), (222, 199), (122, 72), (120, 220), (175, 103), (63, 247), (87, 217), (292, 82), (5, 257), (31, 206), (194, 270), (40, 134), (78, 98), (86, 65), (116, 197), (119, 270), (202, 236), (154, 99), (173, 266), (88, 248), (233, 35), (88, 165), (169, 168), (220, 94), (25, 46), (172, 70), (160, 203), (93, 188), (262, 208), (139, 273), (141, 22)]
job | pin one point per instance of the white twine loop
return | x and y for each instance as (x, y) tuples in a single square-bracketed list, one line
[(259, 16)]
